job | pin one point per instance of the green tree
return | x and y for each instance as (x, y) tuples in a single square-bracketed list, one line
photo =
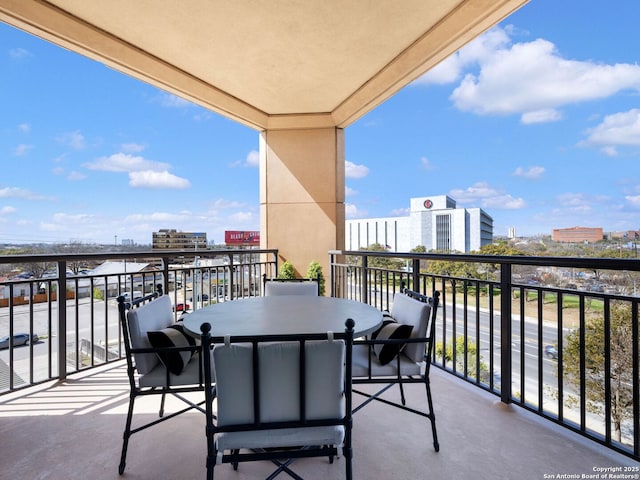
[(621, 358), (471, 356), (315, 271), (388, 263), (454, 269)]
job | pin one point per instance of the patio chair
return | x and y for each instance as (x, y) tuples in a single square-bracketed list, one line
[(279, 398), (399, 352), (161, 358), (290, 286)]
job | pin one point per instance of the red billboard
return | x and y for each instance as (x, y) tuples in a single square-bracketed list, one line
[(242, 237)]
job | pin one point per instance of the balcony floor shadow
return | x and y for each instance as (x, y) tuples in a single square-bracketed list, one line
[(73, 430)]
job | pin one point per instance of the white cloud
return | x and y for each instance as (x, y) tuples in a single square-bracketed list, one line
[(621, 128), (159, 217), (132, 147), (24, 127), (541, 116), (529, 78), (223, 204), (19, 53), (450, 70), (634, 200), (355, 171), (173, 101), (22, 149), (609, 151), (76, 176), (349, 192), (7, 209), (425, 163), (583, 204), (351, 211), (154, 179), (123, 162), (534, 172), (253, 158), (483, 195), (67, 223), (73, 140), (400, 212), (75, 219), (242, 218), (14, 192)]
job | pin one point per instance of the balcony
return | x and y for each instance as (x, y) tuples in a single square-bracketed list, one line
[(500, 415), (73, 430)]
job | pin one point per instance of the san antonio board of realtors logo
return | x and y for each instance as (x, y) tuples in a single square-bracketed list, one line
[(428, 204)]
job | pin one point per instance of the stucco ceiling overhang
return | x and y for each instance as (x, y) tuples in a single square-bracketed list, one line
[(276, 64)]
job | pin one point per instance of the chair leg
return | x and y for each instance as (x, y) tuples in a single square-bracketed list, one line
[(125, 436), (432, 416), (403, 400), (161, 413), (347, 452)]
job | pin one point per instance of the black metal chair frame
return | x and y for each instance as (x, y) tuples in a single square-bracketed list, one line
[(399, 380), (136, 390), (281, 457)]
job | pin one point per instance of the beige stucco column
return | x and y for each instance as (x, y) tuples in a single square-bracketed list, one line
[(302, 195)]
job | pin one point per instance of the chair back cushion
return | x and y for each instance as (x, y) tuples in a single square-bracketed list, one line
[(151, 316), (279, 381), (291, 288), (410, 311)]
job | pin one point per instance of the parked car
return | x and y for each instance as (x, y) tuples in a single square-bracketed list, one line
[(551, 352), (180, 307), (136, 295), (18, 339)]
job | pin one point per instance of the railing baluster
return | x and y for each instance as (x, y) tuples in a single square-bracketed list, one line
[(505, 333)]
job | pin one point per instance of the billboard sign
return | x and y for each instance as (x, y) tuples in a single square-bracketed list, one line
[(242, 237)]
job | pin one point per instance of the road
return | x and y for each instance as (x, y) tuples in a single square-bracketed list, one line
[(107, 331), (527, 340)]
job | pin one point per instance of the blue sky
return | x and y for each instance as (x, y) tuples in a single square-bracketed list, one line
[(537, 122)]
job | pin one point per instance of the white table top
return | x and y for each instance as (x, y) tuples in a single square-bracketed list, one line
[(284, 314)]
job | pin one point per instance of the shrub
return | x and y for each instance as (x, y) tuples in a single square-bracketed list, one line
[(315, 271), (286, 271)]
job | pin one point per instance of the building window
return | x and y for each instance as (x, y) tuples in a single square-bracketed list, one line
[(443, 233)]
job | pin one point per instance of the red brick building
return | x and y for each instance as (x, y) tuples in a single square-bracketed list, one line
[(577, 234)]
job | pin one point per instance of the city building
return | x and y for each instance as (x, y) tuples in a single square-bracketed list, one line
[(170, 239), (434, 222), (577, 234)]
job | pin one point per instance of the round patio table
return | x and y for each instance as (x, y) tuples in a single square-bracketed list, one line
[(284, 315)]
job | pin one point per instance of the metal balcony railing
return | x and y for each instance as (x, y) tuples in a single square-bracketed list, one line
[(555, 335), (79, 328)]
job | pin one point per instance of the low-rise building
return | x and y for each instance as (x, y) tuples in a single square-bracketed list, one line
[(171, 239), (577, 234)]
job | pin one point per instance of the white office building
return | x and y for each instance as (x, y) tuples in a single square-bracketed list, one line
[(434, 222)]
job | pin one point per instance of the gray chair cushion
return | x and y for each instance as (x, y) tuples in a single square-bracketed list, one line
[(291, 288), (360, 365), (191, 375), (279, 392), (413, 312), (154, 315), (279, 381)]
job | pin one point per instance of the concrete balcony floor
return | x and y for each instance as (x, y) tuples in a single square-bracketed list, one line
[(73, 430)]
